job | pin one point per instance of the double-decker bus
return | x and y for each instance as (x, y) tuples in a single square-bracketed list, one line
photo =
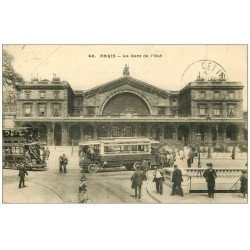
[(117, 152), (20, 145)]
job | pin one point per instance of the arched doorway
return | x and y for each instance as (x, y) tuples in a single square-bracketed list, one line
[(58, 135), (142, 130), (232, 132), (88, 131), (169, 131), (155, 132), (201, 128), (183, 133), (74, 134), (126, 103), (217, 131), (102, 131)]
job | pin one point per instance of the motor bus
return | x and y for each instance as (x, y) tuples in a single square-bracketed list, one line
[(116, 152), (20, 145)]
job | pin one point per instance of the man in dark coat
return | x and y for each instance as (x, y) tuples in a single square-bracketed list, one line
[(210, 176), (64, 163), (137, 179), (243, 182), (177, 180), (21, 174)]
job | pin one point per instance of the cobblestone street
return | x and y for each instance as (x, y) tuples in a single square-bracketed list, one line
[(107, 186)]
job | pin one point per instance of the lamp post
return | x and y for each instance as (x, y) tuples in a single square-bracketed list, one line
[(199, 149), (53, 129)]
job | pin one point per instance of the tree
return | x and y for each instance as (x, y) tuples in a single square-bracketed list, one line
[(10, 76), (11, 80)]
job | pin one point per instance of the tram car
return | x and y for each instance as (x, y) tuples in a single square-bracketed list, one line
[(20, 145), (116, 152)]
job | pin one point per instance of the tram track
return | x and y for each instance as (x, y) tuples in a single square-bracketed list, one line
[(51, 189)]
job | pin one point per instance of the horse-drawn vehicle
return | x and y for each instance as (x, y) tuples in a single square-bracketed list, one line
[(117, 152)]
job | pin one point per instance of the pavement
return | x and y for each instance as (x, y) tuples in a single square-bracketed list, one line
[(190, 198), (106, 186)]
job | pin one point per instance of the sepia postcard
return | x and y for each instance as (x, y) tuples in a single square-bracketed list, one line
[(112, 124)]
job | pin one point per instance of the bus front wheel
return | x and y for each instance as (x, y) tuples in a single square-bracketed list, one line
[(92, 168), (136, 165)]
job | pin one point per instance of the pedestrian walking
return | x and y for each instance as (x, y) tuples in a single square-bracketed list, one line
[(177, 180), (189, 161), (83, 196), (21, 174), (159, 179), (137, 180), (144, 165), (182, 155), (243, 183), (64, 163), (210, 176), (47, 153), (162, 159), (60, 164), (233, 153), (209, 152)]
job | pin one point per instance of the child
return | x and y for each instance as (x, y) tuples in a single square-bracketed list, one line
[(83, 197)]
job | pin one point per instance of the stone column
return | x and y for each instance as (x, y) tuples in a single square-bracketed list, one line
[(95, 131), (209, 134), (175, 134), (148, 129), (65, 135)]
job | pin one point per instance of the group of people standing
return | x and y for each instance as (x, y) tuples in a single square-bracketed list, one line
[(140, 175)]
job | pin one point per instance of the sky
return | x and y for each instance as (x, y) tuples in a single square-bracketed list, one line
[(85, 66)]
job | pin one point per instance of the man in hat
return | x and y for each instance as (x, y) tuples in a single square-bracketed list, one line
[(159, 179), (210, 176), (243, 183), (137, 179), (177, 180), (21, 174)]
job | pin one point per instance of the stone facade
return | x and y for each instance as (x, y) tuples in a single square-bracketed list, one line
[(207, 111)]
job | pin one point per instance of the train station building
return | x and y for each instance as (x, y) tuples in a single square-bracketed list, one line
[(207, 111)]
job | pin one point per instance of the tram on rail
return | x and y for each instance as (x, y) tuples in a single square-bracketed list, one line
[(116, 152), (20, 145)]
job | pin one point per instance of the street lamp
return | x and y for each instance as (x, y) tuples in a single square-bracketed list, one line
[(199, 149), (53, 128)]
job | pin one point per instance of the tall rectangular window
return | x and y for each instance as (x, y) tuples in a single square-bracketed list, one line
[(57, 94), (202, 110), (56, 110), (42, 94), (202, 94), (41, 110), (231, 110), (216, 111), (174, 103), (27, 95), (231, 95), (27, 110), (216, 94)]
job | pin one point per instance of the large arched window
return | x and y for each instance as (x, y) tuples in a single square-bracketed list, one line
[(126, 103)]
